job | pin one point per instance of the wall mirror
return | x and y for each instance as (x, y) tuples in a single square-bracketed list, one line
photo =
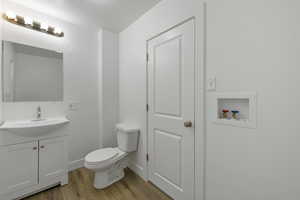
[(31, 73)]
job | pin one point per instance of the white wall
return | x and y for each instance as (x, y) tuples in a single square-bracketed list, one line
[(80, 79), (109, 92), (251, 46), (254, 46)]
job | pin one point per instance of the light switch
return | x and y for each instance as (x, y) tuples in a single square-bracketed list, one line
[(212, 84)]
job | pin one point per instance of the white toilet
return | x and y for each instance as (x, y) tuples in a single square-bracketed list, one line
[(109, 163)]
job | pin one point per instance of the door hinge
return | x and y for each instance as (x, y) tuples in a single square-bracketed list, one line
[(147, 157), (147, 57), (147, 107)]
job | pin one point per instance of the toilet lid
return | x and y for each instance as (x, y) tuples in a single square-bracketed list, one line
[(101, 155)]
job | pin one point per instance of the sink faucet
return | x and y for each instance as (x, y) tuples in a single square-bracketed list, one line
[(39, 113)]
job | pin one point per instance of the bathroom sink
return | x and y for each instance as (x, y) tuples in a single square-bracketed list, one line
[(34, 127)]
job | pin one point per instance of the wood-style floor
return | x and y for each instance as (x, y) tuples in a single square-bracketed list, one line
[(80, 187)]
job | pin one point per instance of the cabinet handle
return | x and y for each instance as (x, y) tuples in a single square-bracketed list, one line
[(42, 147), (188, 124), (34, 148)]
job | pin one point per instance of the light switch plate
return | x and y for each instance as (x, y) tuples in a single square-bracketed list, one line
[(212, 84)]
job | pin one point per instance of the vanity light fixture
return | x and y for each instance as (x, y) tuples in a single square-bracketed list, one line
[(11, 16), (27, 22), (57, 31), (44, 27)]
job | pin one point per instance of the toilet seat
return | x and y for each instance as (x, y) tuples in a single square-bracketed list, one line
[(101, 156)]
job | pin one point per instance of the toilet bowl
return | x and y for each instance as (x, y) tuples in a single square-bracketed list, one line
[(109, 163)]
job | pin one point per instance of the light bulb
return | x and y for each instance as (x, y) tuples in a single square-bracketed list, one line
[(28, 21), (11, 15), (57, 31), (44, 26)]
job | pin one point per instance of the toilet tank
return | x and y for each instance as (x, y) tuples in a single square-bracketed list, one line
[(127, 137)]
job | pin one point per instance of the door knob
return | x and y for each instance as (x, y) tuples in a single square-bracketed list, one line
[(188, 124), (34, 148)]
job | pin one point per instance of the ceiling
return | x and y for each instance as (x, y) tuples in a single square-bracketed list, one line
[(114, 15)]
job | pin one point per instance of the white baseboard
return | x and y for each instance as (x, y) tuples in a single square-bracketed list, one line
[(76, 164), (139, 170)]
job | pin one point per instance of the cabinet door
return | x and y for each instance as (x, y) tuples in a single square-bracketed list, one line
[(18, 166), (52, 159)]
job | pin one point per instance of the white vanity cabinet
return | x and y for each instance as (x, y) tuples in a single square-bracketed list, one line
[(32, 166)]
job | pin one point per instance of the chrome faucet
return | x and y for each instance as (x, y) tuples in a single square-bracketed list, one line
[(39, 113)]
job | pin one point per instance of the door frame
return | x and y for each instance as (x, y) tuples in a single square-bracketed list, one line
[(200, 96)]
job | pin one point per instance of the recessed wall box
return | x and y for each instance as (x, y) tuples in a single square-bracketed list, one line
[(241, 107)]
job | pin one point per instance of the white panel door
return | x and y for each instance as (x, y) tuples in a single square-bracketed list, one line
[(18, 167), (52, 159), (171, 83)]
